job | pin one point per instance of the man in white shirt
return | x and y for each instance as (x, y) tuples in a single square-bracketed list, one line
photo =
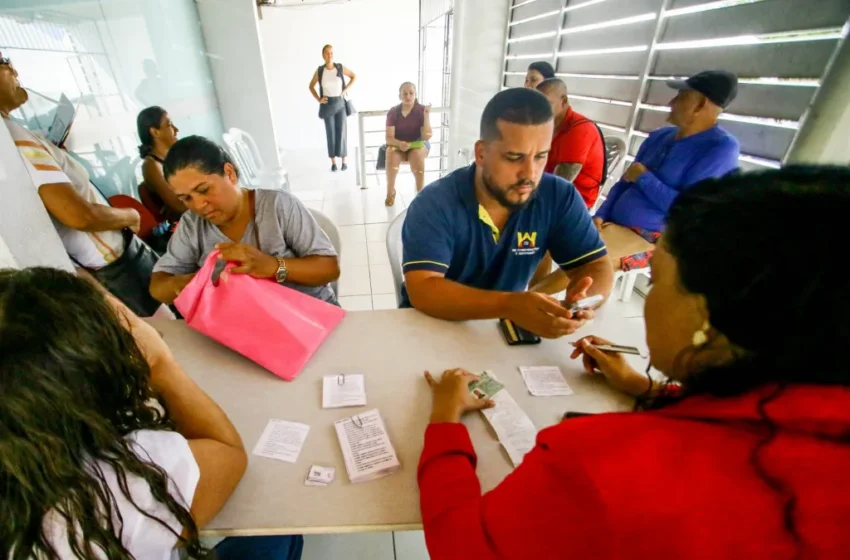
[(90, 229)]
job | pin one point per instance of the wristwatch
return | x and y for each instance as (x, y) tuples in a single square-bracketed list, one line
[(282, 272)]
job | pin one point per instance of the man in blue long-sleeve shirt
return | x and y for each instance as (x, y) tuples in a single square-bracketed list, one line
[(670, 160)]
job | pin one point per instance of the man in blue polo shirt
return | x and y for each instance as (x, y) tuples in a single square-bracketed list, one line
[(473, 239)]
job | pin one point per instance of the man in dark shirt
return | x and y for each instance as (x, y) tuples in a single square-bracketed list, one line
[(473, 239)]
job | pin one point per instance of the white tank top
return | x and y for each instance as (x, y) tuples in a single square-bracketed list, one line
[(331, 84)]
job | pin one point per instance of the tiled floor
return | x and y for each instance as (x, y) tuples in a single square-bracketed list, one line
[(366, 283)]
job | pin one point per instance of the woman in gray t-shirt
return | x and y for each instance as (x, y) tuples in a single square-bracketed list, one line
[(269, 233)]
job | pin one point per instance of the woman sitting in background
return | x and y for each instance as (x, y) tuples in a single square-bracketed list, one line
[(537, 72), (408, 135), (745, 459), (97, 416), (269, 232), (157, 133)]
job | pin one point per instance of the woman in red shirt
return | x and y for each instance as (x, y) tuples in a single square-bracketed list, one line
[(748, 459)]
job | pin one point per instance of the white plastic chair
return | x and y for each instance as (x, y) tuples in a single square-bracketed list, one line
[(242, 148), (332, 232), (628, 279), (394, 251)]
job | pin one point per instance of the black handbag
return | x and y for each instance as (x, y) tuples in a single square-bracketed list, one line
[(382, 158), (129, 276), (349, 107)]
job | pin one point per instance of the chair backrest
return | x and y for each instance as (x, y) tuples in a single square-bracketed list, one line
[(249, 146), (615, 150), (332, 232), (238, 151), (148, 221), (394, 251)]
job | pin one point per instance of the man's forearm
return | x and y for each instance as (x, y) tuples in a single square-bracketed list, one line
[(551, 284), (166, 287), (107, 218), (445, 299)]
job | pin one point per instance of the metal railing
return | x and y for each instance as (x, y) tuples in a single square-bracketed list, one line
[(367, 154)]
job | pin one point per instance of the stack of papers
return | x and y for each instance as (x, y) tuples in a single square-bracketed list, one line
[(319, 476), (282, 440), (512, 425), (545, 381), (339, 391), (366, 447)]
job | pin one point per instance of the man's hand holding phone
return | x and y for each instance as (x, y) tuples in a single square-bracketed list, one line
[(542, 315)]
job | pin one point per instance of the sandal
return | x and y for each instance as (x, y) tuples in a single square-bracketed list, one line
[(390, 201)]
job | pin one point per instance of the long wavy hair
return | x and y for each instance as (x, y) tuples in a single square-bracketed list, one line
[(74, 384), (773, 286)]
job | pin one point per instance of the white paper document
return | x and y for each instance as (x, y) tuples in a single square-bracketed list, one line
[(282, 440), (366, 447), (339, 391), (512, 425), (545, 381)]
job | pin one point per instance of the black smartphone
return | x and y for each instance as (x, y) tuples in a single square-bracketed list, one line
[(515, 335)]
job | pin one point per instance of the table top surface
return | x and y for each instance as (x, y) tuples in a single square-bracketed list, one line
[(392, 349)]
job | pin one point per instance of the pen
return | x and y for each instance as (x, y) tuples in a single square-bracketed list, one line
[(615, 349)]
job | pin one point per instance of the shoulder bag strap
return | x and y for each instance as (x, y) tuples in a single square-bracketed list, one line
[(252, 201), (341, 75)]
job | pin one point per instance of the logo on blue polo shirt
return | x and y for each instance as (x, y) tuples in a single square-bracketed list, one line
[(526, 243)]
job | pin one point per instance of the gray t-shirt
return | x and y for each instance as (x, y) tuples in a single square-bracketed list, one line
[(285, 226)]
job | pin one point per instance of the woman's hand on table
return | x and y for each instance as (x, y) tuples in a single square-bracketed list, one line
[(613, 366), (452, 398)]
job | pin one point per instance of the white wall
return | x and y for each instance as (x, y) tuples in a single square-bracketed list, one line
[(377, 39), (477, 61), (232, 38), (25, 228)]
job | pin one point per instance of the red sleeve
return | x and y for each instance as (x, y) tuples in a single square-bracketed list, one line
[(546, 507), (391, 117), (574, 146)]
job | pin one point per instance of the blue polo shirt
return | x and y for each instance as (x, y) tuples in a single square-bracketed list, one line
[(446, 230)]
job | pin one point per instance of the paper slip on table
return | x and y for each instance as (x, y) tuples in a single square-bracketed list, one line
[(392, 349)]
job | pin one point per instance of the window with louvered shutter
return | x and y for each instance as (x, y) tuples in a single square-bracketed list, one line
[(614, 56)]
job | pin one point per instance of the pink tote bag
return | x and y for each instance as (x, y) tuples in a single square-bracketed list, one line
[(272, 325)]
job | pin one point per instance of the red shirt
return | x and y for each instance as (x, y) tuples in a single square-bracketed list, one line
[(668, 484), (578, 141)]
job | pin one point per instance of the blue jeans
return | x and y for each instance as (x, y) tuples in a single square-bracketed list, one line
[(278, 547)]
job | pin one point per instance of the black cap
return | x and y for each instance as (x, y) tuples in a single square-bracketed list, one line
[(718, 86)]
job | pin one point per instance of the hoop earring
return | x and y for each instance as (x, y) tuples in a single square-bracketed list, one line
[(700, 337)]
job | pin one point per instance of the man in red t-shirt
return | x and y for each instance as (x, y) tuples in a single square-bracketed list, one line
[(577, 150)]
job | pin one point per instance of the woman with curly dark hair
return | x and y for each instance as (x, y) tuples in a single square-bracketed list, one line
[(107, 448), (744, 453)]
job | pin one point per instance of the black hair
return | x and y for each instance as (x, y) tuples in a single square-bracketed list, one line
[(150, 117), (546, 70), (551, 83), (74, 386), (199, 152), (732, 239), (516, 105)]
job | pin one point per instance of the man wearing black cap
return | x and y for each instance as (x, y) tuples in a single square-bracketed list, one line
[(669, 160)]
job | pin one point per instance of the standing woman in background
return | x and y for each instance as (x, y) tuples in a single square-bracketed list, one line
[(157, 133), (332, 88), (408, 135)]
